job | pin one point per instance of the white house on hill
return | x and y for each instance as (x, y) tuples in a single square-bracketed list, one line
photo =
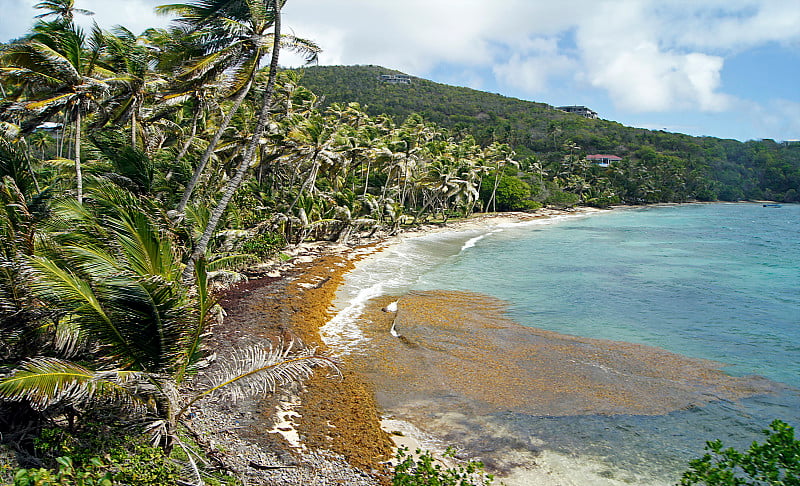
[(602, 160)]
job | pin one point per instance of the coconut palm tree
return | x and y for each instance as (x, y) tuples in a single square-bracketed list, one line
[(21, 212), (62, 10), (501, 155), (56, 73), (312, 139), (272, 11), (234, 37), (130, 61), (111, 275)]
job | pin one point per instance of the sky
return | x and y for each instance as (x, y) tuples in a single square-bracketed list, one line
[(721, 68)]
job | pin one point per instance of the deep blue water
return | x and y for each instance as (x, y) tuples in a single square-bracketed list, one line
[(714, 281)]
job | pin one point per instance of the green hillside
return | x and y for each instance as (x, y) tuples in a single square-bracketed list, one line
[(721, 169)]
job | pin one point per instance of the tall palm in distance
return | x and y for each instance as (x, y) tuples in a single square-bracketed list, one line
[(129, 60), (62, 10), (57, 70)]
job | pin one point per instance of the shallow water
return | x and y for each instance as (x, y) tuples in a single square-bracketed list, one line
[(718, 281)]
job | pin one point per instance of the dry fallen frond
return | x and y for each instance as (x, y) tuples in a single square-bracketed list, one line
[(257, 371)]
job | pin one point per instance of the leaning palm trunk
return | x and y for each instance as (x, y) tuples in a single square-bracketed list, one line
[(366, 178), (310, 182), (212, 145), (244, 164), (492, 199), (78, 173)]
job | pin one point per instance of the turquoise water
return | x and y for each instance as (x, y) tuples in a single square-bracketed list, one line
[(714, 281)]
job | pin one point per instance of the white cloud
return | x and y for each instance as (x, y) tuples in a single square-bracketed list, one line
[(778, 119), (532, 71), (735, 24), (623, 53), (136, 15), (624, 47), (647, 55)]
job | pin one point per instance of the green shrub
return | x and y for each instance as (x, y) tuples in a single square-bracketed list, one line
[(603, 201), (92, 474), (265, 245), (424, 471), (562, 199), (77, 456), (775, 462)]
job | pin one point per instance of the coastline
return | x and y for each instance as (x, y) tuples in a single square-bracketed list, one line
[(455, 379), (344, 417), (327, 431)]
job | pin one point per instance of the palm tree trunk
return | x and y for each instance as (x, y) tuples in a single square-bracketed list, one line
[(244, 164), (78, 174), (133, 128), (492, 201), (310, 181), (366, 179), (198, 171)]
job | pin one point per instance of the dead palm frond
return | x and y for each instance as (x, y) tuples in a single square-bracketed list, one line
[(257, 371)]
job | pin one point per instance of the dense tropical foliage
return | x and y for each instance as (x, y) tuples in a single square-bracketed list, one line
[(104, 297), (657, 166), (136, 168)]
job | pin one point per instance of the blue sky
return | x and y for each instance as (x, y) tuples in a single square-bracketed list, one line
[(723, 68)]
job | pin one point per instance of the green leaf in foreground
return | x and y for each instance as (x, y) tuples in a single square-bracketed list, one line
[(775, 462), (421, 469)]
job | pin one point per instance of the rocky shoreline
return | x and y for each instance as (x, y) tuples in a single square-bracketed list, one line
[(324, 432), (328, 431)]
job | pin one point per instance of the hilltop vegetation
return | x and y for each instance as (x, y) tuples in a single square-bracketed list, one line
[(712, 168)]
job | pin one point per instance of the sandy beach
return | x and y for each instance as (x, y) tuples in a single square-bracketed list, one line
[(328, 431), (390, 394)]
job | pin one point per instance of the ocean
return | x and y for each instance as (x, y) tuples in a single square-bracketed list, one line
[(588, 349)]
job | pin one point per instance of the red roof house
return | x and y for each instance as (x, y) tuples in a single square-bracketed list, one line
[(603, 160)]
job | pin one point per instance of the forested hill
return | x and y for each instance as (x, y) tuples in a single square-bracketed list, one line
[(735, 170)]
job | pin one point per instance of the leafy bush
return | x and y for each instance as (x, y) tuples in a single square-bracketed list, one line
[(423, 471), (561, 199), (513, 194), (92, 474), (125, 460), (775, 462), (265, 245)]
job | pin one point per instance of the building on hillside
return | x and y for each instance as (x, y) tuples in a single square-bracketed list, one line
[(49, 126), (579, 110), (602, 160), (395, 78)]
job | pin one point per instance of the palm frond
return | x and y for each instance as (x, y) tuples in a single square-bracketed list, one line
[(44, 382), (70, 338), (257, 371), (229, 261), (93, 311), (205, 303)]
